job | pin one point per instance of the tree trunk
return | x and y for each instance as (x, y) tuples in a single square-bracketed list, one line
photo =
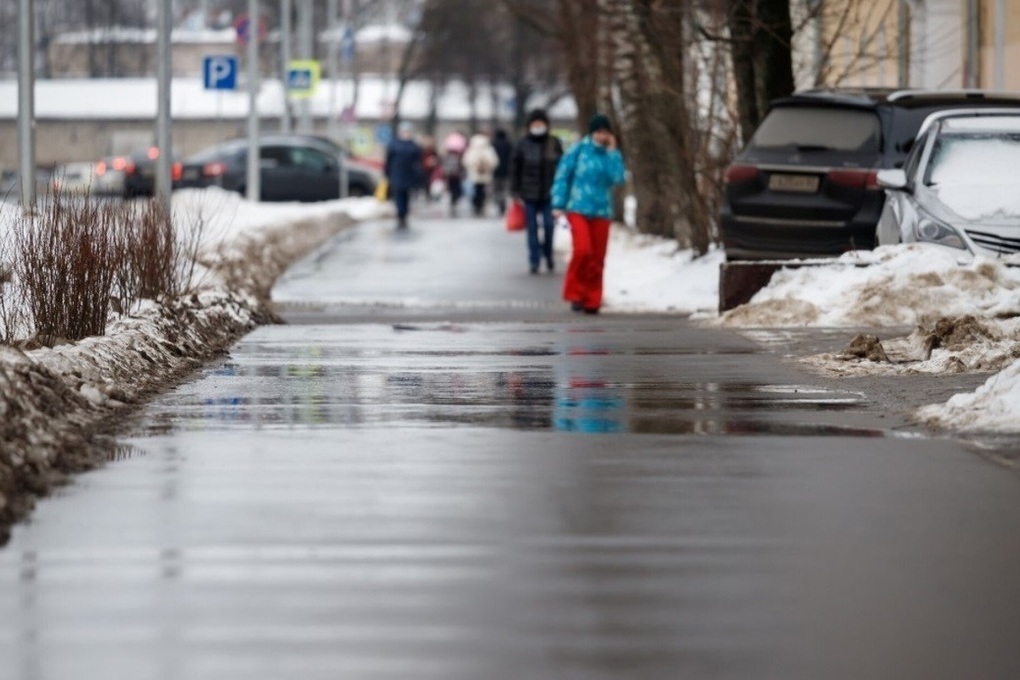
[(579, 21), (773, 39), (761, 32), (741, 23)]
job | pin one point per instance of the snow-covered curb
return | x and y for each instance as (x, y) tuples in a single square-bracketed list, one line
[(56, 402)]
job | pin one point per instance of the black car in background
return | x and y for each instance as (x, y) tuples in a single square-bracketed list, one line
[(805, 185), (293, 168), (131, 175)]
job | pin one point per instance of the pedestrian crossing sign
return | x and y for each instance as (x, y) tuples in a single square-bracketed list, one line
[(303, 78)]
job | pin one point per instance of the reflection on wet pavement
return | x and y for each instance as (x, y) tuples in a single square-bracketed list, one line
[(523, 376)]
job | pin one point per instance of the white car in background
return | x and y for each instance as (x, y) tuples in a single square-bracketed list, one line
[(73, 178), (87, 178), (959, 186)]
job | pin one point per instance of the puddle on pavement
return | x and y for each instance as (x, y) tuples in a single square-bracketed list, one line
[(562, 391)]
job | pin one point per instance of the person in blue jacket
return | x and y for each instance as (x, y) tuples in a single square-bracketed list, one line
[(403, 169), (583, 191)]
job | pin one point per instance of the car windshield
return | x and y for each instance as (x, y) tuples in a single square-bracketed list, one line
[(975, 174), (819, 129), (981, 158)]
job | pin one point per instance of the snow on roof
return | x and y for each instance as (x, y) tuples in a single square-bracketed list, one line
[(123, 34), (135, 98), (374, 33)]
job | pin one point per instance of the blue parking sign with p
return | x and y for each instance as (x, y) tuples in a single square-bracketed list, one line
[(220, 72)]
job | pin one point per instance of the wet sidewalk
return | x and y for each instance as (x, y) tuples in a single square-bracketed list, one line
[(379, 492)]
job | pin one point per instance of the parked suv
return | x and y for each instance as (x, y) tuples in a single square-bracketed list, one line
[(806, 184)]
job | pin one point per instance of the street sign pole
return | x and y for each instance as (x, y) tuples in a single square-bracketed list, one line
[(285, 36), (305, 47), (331, 59), (164, 134), (253, 181), (26, 103)]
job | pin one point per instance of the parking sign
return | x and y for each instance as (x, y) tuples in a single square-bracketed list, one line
[(220, 72)]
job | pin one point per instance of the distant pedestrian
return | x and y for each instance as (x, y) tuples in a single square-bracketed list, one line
[(501, 178), (453, 167), (583, 192), (429, 165), (403, 170), (480, 162), (533, 168)]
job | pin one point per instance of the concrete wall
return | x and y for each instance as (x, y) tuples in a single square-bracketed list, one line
[(90, 140)]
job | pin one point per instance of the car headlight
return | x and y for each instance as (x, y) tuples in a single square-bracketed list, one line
[(931, 230)]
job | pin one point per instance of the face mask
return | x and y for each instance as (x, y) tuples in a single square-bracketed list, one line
[(538, 130)]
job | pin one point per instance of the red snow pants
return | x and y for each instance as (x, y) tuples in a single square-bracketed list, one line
[(583, 282)]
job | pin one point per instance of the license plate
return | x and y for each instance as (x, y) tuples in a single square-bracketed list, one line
[(800, 184), (190, 173)]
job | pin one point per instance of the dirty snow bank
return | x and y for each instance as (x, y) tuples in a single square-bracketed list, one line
[(965, 316), (55, 402), (901, 285)]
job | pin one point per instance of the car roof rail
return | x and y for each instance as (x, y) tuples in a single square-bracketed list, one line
[(983, 112), (921, 96)]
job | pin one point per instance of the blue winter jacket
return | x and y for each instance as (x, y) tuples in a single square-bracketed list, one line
[(585, 178), (403, 164)]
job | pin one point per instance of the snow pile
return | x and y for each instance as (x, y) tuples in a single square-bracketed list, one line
[(890, 286), (952, 345), (54, 401), (965, 314), (993, 407)]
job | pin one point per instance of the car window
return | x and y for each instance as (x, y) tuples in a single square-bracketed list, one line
[(275, 156), (312, 160), (914, 158), (216, 153), (821, 129), (973, 159)]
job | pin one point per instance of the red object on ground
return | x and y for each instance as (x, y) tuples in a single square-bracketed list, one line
[(515, 216), (583, 281)]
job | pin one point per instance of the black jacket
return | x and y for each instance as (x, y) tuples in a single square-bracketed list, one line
[(534, 167), (504, 149)]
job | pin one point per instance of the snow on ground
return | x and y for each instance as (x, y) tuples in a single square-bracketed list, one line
[(993, 407), (649, 274)]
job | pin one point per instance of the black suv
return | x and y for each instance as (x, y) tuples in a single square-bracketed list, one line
[(805, 185)]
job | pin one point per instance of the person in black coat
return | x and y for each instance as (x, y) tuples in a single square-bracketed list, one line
[(532, 171), (501, 179), (403, 170)]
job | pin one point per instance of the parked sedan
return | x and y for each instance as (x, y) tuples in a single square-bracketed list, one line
[(958, 187), (292, 168)]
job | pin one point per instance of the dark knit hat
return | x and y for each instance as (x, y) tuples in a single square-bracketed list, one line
[(538, 114), (599, 121)]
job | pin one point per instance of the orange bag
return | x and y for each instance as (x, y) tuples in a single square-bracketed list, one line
[(515, 220)]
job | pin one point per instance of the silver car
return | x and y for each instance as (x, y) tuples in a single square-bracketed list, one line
[(959, 186)]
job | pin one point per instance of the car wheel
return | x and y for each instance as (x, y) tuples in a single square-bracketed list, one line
[(357, 191)]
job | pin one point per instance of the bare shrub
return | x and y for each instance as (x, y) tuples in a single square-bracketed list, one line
[(66, 261), (81, 257)]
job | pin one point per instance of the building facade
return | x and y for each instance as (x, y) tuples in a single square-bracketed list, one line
[(931, 44)]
